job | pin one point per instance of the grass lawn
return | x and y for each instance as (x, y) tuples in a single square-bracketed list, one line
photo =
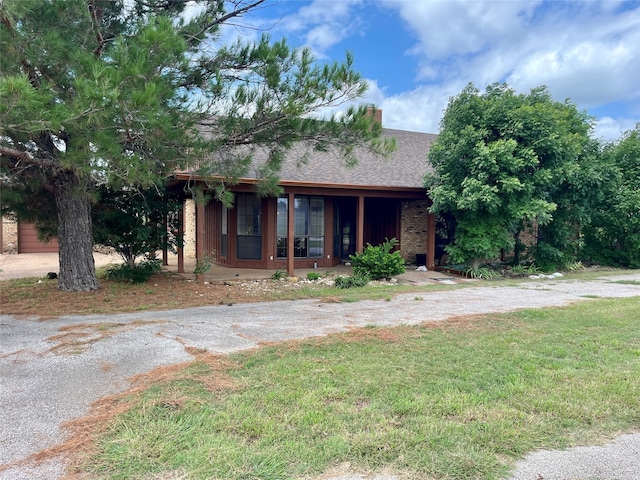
[(453, 400)]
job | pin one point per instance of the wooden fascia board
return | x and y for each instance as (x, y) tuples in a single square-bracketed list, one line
[(328, 188)]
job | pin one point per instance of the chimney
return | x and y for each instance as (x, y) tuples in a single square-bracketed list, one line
[(375, 113)]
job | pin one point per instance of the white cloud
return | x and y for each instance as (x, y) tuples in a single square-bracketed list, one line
[(586, 51), (324, 23), (611, 129), (418, 110), (589, 73), (446, 29)]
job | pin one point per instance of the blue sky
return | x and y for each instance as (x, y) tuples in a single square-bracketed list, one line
[(416, 54)]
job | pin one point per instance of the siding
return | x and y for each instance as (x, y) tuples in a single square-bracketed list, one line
[(28, 241)]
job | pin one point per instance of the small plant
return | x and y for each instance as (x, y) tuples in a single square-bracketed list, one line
[(279, 275), (483, 273), (204, 265), (353, 281), (138, 273), (313, 276), (525, 270), (573, 267), (378, 262)]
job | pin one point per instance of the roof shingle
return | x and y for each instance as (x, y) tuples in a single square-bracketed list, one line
[(405, 167)]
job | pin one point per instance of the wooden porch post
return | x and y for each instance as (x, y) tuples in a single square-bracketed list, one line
[(181, 238), (165, 246), (431, 241), (200, 226), (360, 225), (290, 233)]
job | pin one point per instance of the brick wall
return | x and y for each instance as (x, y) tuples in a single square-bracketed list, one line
[(9, 235), (413, 229), (189, 228)]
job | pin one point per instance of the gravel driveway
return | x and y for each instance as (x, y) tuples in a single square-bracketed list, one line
[(39, 389)]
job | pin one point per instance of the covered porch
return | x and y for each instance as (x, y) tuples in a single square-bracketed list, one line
[(327, 225)]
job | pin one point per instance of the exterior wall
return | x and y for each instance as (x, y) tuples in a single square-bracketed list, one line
[(413, 229), (9, 235), (403, 215), (28, 241), (189, 228)]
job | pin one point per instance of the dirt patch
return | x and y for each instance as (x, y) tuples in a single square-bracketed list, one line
[(77, 338), (31, 297)]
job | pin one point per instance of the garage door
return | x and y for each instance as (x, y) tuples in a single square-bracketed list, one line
[(28, 240)]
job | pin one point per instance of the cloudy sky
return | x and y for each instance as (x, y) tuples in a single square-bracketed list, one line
[(416, 54)]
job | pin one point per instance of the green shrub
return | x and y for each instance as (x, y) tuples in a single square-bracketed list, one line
[(204, 265), (484, 273), (138, 273), (525, 269), (377, 262), (353, 281), (279, 275), (313, 276), (573, 266)]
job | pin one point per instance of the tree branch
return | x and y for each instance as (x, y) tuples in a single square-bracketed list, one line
[(17, 154), (95, 13), (31, 72), (238, 12)]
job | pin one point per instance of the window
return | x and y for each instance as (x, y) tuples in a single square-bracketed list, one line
[(249, 239), (281, 227), (223, 229), (308, 226)]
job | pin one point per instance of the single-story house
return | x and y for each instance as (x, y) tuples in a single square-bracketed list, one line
[(327, 211), (22, 237)]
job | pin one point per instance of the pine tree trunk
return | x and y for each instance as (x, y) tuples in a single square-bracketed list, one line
[(75, 235)]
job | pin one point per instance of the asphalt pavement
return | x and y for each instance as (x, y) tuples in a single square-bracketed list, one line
[(40, 388)]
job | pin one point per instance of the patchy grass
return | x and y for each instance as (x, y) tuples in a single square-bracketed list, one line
[(41, 298), (36, 297), (585, 275), (462, 399)]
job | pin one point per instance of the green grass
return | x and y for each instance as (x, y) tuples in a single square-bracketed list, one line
[(454, 400), (627, 282), (369, 292)]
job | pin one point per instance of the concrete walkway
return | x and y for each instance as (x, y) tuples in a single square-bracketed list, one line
[(40, 390)]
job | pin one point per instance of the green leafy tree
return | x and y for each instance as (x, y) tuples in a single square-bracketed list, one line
[(124, 92), (503, 161), (613, 236), (135, 223)]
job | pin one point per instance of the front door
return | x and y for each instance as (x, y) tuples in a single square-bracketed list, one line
[(344, 239)]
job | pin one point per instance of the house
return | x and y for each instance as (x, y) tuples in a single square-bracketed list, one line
[(22, 237), (327, 211)]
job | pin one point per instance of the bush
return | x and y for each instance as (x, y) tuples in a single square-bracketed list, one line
[(279, 275), (484, 273), (353, 281), (313, 276), (139, 273), (379, 262)]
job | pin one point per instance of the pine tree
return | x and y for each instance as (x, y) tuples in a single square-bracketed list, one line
[(122, 93)]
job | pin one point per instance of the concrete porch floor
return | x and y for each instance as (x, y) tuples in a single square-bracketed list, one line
[(221, 273)]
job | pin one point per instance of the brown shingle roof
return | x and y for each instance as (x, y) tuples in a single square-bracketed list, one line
[(405, 167)]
